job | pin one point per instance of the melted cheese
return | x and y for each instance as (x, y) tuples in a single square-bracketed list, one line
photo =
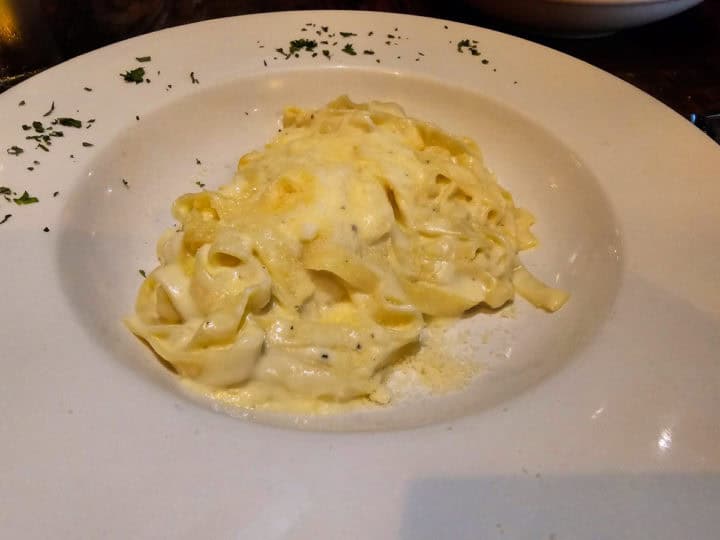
[(310, 277)]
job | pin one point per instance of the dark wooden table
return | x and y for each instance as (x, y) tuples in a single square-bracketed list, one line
[(676, 60)]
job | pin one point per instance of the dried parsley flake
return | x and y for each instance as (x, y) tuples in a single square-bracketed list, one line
[(25, 198), (136, 75), (68, 122)]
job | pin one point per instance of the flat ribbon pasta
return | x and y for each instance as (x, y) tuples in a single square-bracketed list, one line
[(314, 272)]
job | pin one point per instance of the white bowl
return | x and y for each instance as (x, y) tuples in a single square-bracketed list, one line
[(583, 17)]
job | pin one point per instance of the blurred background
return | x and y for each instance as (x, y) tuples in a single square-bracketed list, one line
[(677, 59)]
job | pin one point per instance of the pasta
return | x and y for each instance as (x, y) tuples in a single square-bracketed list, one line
[(313, 273)]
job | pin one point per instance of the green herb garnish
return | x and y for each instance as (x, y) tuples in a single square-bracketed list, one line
[(125, 183), (300, 44), (193, 79), (87, 144), (69, 122), (326, 54), (348, 49), (52, 108), (347, 34), (368, 51), (38, 126), (469, 45), (15, 150), (5, 190), (46, 229), (7, 216), (296, 46), (25, 198), (200, 184), (136, 75), (87, 89), (22, 103), (143, 58), (142, 272)]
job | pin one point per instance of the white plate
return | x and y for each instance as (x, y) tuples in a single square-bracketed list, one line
[(621, 442), (583, 17)]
